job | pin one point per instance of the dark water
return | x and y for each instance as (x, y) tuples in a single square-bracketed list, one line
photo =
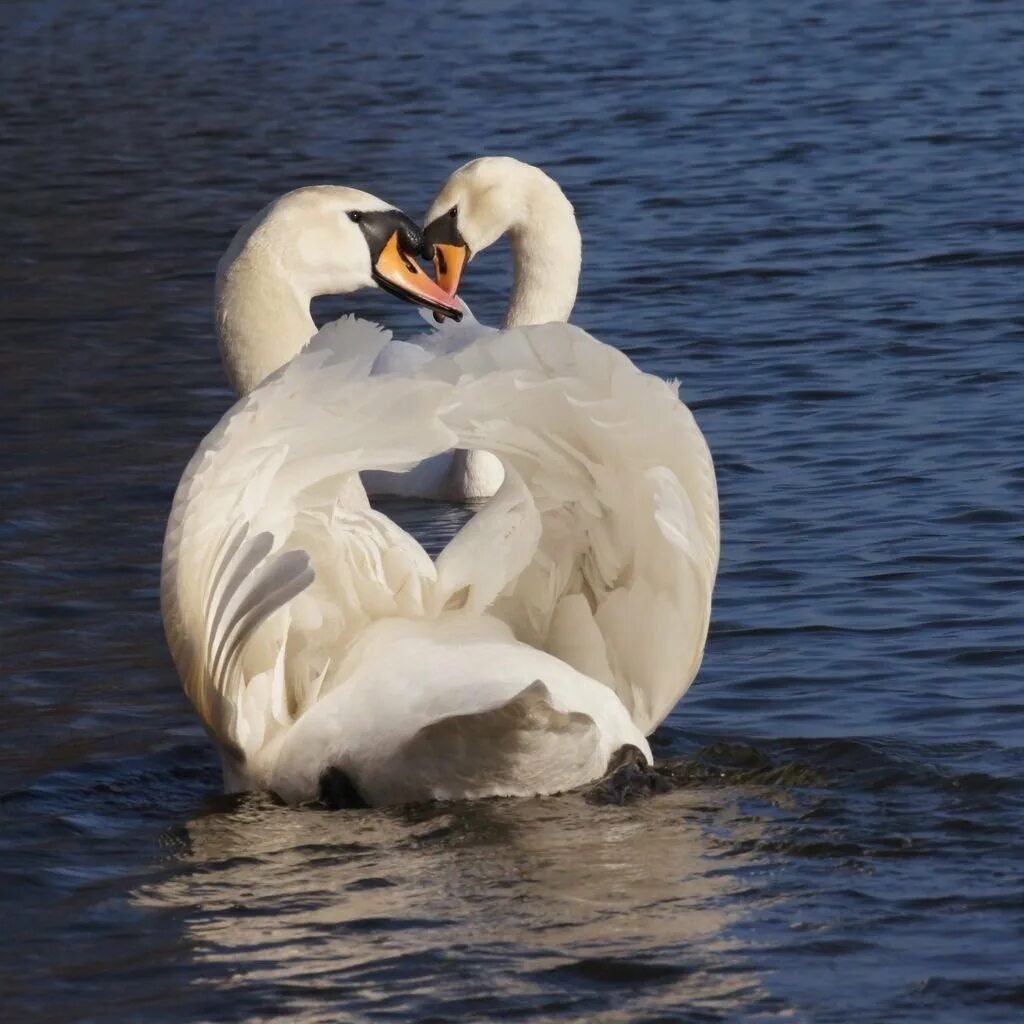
[(813, 213)]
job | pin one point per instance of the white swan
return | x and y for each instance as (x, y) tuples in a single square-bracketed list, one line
[(329, 656)]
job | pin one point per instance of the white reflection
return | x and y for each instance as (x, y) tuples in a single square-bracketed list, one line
[(495, 901)]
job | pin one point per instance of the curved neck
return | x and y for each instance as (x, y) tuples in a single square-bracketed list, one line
[(263, 319), (547, 251)]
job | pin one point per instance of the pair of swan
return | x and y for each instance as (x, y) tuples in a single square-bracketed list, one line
[(327, 654)]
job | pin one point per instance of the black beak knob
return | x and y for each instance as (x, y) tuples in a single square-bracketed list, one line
[(410, 238)]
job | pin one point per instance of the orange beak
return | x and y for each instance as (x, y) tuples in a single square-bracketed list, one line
[(398, 273), (449, 261)]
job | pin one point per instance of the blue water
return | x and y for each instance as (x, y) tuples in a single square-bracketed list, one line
[(812, 214)]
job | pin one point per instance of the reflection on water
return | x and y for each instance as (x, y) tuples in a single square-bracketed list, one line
[(426, 907)]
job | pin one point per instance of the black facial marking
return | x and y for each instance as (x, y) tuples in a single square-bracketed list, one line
[(443, 230), (379, 225)]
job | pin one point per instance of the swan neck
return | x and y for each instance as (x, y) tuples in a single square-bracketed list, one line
[(546, 253), (263, 319)]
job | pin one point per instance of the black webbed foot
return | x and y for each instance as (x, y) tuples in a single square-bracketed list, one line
[(338, 792), (629, 777)]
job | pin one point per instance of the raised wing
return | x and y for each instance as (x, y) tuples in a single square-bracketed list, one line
[(622, 484), (600, 548), (273, 561)]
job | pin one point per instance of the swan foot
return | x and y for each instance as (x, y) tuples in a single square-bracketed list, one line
[(629, 777), (338, 792)]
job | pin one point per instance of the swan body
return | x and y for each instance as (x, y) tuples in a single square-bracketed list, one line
[(562, 623)]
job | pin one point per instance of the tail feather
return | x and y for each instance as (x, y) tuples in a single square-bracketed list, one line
[(518, 746)]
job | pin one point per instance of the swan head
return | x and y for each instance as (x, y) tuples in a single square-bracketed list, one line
[(495, 195), (477, 204), (330, 240)]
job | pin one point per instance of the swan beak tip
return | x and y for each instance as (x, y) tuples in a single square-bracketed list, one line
[(439, 318), (449, 262), (398, 273)]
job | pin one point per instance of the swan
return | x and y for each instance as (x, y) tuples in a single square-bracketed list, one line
[(332, 659)]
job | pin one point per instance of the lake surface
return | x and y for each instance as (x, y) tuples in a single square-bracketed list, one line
[(813, 215)]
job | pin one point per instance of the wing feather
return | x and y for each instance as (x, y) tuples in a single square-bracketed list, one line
[(272, 502), (623, 485)]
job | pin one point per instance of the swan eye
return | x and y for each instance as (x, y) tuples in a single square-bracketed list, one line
[(355, 216), (453, 212)]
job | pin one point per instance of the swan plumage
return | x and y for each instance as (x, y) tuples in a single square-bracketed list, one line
[(456, 476), (561, 623)]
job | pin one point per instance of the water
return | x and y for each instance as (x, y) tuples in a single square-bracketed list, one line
[(809, 212)]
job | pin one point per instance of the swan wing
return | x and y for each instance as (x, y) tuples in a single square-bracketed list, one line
[(273, 561), (621, 487), (451, 476)]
